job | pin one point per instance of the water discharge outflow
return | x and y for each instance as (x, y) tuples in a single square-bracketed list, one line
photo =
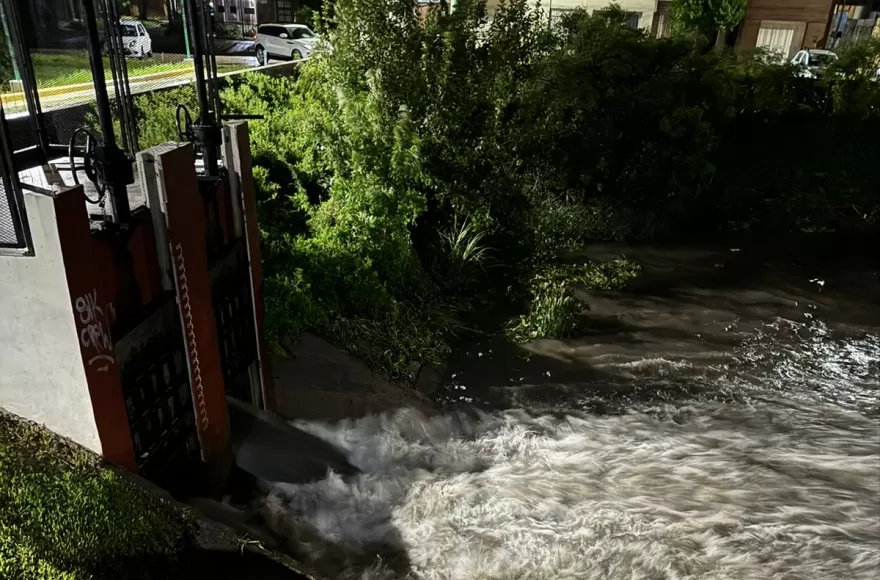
[(269, 449), (727, 433)]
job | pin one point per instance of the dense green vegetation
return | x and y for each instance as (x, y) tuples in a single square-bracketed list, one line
[(708, 18), (424, 174), (64, 517)]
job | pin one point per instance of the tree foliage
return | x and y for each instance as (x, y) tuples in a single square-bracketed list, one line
[(711, 18), (424, 171)]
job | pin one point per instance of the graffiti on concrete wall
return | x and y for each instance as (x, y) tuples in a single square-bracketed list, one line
[(190, 332), (94, 330)]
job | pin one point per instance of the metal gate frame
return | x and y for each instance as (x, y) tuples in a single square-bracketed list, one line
[(157, 394)]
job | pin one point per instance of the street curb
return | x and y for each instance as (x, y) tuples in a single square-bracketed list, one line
[(176, 78), (15, 98)]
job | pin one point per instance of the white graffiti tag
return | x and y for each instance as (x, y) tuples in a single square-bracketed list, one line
[(94, 334), (192, 345)]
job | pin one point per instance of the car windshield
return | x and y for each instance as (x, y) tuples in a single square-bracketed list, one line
[(129, 30), (297, 32), (822, 59)]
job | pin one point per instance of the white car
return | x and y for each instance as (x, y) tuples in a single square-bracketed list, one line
[(284, 41), (812, 61), (136, 40)]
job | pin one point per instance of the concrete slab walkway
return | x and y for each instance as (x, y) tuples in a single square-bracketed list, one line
[(319, 381)]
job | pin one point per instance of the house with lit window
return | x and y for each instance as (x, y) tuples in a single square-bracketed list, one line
[(787, 26)]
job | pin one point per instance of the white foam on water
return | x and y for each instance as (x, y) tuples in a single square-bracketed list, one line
[(783, 484), (712, 491)]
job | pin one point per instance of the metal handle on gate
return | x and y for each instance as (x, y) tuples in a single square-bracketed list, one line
[(88, 161), (185, 129)]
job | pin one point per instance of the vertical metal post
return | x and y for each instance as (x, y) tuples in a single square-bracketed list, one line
[(96, 63), (211, 62), (15, 72), (208, 133), (192, 18), (117, 171), (119, 70), (186, 37)]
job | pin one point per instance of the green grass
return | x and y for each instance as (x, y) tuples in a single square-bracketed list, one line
[(229, 68), (65, 517), (59, 70)]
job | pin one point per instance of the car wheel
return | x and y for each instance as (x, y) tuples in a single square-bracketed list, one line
[(149, 54), (262, 59), (296, 55)]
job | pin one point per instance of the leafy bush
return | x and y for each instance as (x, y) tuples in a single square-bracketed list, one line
[(420, 165), (365, 185), (554, 309), (710, 18), (552, 313), (425, 167), (612, 275), (672, 141), (461, 260), (156, 114)]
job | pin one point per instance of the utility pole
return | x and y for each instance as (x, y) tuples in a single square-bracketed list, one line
[(186, 37)]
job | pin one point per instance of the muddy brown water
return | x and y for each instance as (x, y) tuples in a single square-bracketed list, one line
[(722, 323), (732, 382)]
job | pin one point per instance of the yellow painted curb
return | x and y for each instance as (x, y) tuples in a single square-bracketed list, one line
[(18, 98)]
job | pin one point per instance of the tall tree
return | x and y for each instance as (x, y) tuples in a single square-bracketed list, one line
[(708, 17)]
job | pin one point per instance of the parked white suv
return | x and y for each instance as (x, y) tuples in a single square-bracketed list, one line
[(284, 41), (135, 39)]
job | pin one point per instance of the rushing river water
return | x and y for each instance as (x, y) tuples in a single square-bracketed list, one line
[(719, 419)]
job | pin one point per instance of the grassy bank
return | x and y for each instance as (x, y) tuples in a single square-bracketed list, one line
[(60, 70), (65, 517)]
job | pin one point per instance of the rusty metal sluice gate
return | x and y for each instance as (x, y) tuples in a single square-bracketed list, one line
[(139, 271)]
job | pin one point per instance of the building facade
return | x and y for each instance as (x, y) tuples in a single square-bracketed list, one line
[(243, 16), (787, 26), (642, 12)]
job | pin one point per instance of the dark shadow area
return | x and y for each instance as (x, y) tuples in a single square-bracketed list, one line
[(337, 558), (322, 382), (200, 563), (282, 532), (234, 564)]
